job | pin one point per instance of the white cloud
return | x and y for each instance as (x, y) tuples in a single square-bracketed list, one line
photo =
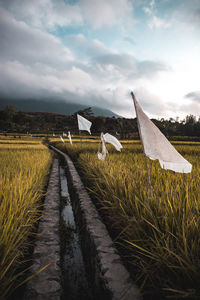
[(45, 13), (106, 13), (128, 66), (185, 19), (84, 48), (147, 10), (49, 14), (151, 103), (30, 81), (191, 104), (20, 42), (158, 23), (150, 8)]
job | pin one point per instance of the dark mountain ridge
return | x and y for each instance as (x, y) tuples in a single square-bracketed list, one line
[(54, 106)]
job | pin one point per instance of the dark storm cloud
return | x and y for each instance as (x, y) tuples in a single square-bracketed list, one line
[(194, 96)]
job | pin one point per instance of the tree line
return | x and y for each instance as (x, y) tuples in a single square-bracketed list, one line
[(12, 121)]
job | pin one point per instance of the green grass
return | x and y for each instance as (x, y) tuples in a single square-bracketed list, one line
[(23, 175), (159, 236)]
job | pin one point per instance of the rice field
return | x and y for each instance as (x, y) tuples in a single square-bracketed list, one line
[(159, 236), (24, 169)]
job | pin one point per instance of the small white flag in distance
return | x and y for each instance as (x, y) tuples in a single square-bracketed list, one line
[(108, 138), (69, 137), (83, 124), (61, 139), (53, 134), (102, 155), (156, 145)]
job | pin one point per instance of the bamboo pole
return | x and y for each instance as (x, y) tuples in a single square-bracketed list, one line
[(145, 157), (80, 137), (79, 131)]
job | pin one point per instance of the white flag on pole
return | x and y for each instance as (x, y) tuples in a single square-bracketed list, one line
[(102, 155), (61, 139), (69, 137), (156, 145), (83, 124), (108, 138)]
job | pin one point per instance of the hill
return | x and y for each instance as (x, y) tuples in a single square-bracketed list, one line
[(52, 105)]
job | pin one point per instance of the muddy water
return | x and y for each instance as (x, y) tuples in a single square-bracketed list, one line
[(74, 279)]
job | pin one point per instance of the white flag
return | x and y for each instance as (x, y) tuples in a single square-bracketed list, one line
[(61, 139), (69, 137), (64, 134), (84, 124), (108, 138), (102, 155), (156, 146)]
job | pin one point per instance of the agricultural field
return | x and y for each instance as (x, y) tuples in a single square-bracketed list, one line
[(158, 236), (24, 167)]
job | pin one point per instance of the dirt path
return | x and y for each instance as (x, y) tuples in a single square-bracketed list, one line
[(47, 284)]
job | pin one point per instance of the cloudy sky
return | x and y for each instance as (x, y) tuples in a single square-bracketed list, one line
[(95, 52)]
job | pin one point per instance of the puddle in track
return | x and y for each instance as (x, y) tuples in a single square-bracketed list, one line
[(74, 280)]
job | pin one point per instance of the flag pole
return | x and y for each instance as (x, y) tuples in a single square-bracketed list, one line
[(79, 131), (80, 137), (145, 157)]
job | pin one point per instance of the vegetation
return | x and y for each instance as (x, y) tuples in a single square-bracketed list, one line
[(24, 166), (15, 122), (159, 236)]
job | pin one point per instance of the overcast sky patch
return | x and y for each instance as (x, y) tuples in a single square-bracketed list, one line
[(95, 52)]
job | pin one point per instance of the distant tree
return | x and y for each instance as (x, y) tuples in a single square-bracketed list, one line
[(19, 117), (8, 113), (190, 126), (98, 124), (87, 112), (171, 120), (10, 109), (190, 119)]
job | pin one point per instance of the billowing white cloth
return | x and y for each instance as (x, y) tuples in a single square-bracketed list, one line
[(156, 145), (108, 138), (69, 137), (64, 134), (83, 124), (61, 139), (102, 155)]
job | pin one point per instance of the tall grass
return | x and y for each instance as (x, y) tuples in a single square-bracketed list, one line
[(159, 235), (23, 175)]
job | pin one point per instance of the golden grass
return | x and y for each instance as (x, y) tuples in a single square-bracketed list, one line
[(19, 142), (160, 236), (23, 175)]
